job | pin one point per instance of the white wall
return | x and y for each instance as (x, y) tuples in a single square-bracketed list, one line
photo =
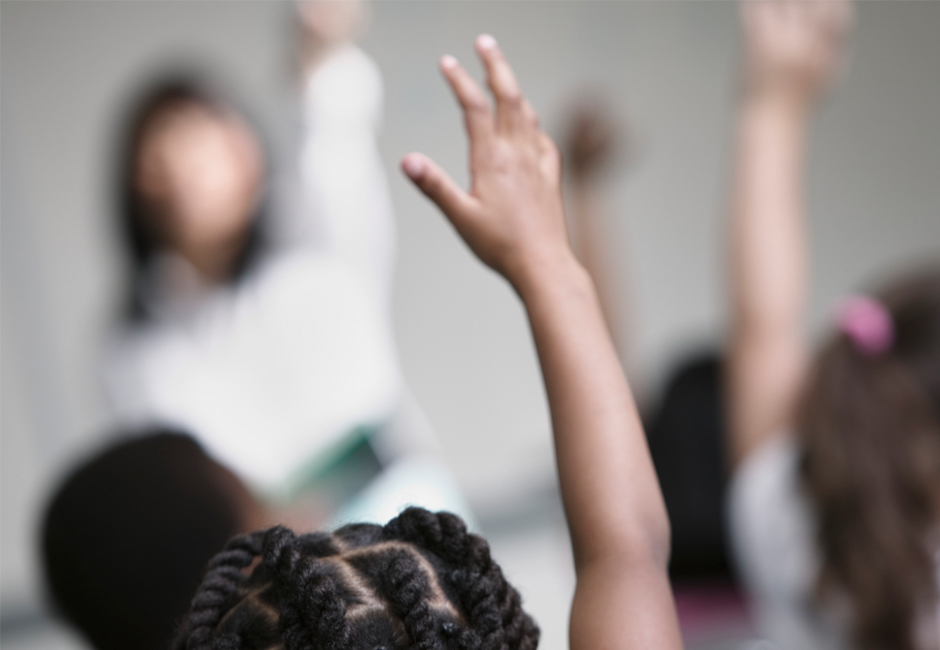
[(67, 67)]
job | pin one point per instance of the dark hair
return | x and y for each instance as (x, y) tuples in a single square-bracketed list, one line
[(126, 537), (421, 581), (871, 430), (687, 446), (171, 93)]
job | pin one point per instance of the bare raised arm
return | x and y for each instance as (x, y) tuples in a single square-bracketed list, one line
[(512, 218), (593, 140), (793, 50)]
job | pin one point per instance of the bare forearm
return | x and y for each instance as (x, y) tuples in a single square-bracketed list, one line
[(769, 269), (768, 240), (619, 529), (611, 495)]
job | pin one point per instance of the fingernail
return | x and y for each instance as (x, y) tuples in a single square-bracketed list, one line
[(486, 42), (413, 166), (448, 62)]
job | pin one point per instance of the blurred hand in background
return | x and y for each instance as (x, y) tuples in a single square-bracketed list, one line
[(794, 49)]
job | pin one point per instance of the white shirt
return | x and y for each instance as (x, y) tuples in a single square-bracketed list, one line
[(271, 371)]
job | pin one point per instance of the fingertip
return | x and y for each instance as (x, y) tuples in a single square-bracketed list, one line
[(413, 166), (448, 62), (486, 43)]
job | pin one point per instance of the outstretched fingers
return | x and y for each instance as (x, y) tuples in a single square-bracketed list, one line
[(476, 107), (512, 110), (453, 201)]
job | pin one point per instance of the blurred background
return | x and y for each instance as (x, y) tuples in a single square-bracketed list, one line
[(668, 71)]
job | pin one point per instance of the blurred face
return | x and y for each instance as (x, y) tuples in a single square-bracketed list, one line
[(201, 171)]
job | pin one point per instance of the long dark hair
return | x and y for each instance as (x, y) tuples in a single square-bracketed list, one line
[(169, 93), (871, 431), (421, 582)]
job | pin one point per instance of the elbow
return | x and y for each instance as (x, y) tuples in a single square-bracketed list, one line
[(644, 542), (651, 543), (659, 539)]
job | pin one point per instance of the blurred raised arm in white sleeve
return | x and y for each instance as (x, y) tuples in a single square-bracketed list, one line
[(344, 183)]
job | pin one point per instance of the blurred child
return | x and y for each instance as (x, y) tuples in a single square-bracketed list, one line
[(128, 533), (421, 581), (835, 503), (269, 337)]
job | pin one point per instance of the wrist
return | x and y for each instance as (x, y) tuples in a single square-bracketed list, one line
[(787, 98), (777, 109), (546, 269)]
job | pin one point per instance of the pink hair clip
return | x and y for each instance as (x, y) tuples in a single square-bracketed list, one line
[(867, 323)]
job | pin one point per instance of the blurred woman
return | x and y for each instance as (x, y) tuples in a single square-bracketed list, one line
[(245, 326), (835, 502)]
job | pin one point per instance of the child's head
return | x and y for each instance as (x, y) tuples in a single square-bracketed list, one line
[(871, 426), (192, 175), (420, 581), (126, 537)]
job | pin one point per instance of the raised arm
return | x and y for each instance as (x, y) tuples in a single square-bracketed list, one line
[(345, 187), (513, 219), (591, 144), (793, 50)]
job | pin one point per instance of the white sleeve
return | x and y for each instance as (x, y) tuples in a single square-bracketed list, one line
[(344, 182), (772, 534)]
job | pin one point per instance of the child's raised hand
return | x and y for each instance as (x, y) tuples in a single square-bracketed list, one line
[(512, 217), (795, 48)]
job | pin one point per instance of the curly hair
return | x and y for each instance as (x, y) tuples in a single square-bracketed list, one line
[(421, 582)]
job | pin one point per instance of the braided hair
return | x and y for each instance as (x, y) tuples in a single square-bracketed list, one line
[(420, 582)]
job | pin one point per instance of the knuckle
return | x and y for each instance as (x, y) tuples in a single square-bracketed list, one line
[(500, 159), (476, 103), (512, 96)]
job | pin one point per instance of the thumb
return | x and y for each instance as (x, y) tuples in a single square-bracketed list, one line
[(438, 186)]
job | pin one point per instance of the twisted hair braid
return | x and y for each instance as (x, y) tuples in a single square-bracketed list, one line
[(404, 584), (217, 592), (319, 612), (493, 606), (421, 582)]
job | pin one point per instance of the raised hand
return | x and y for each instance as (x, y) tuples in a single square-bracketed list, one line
[(512, 216), (592, 141), (794, 48), (328, 22)]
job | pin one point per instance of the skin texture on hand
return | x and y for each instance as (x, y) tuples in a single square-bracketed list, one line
[(512, 218)]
